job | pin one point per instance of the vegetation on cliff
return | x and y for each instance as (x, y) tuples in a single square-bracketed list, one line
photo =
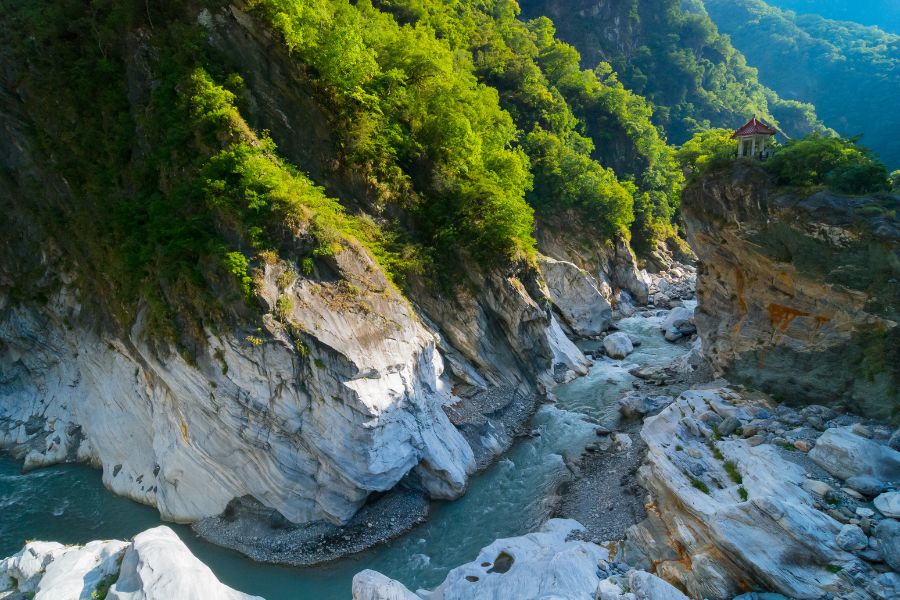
[(174, 194), (838, 163), (850, 72), (816, 161), (463, 118)]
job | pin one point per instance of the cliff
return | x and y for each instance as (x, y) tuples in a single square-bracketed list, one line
[(798, 294), (300, 390)]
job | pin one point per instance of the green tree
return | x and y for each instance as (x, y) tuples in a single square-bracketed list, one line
[(839, 163), (707, 149)]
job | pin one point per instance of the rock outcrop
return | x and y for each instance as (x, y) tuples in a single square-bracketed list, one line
[(611, 263), (798, 295), (576, 297), (156, 565), (729, 514), (308, 423), (544, 564)]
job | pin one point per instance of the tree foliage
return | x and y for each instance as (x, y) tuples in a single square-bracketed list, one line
[(707, 150), (670, 53), (880, 13), (839, 163)]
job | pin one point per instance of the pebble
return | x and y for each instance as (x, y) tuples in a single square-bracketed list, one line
[(853, 493), (755, 440), (865, 512), (861, 430), (802, 445)]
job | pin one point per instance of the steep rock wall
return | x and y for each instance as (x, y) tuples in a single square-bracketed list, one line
[(337, 392), (798, 295)]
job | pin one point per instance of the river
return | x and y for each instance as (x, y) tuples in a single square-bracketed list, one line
[(68, 503)]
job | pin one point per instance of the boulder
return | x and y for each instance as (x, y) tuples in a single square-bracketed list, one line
[(865, 484), (645, 586), (729, 425), (845, 454), (618, 345), (155, 566), (851, 538), (537, 565), (636, 404), (887, 536), (23, 570), (678, 323), (888, 504), (158, 566), (372, 585), (576, 296)]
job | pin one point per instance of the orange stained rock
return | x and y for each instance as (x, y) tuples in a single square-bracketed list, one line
[(740, 284), (781, 316)]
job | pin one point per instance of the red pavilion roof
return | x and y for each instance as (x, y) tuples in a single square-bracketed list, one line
[(754, 126)]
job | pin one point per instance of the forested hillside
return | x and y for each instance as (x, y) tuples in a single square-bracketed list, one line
[(691, 74), (880, 13), (441, 127), (850, 72)]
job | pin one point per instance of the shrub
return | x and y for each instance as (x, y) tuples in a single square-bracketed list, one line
[(707, 150), (700, 485), (733, 472), (839, 163)]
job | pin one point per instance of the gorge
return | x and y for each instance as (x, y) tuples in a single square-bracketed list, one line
[(331, 299)]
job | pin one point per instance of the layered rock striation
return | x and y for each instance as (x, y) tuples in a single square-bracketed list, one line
[(798, 295), (734, 509)]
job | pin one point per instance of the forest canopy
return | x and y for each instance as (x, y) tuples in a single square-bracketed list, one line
[(850, 72)]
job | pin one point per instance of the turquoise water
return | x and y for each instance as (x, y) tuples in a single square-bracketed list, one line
[(69, 504)]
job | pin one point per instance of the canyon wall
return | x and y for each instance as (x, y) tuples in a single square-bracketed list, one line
[(798, 294)]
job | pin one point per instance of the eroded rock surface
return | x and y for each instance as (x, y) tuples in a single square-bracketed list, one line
[(728, 513), (337, 391), (544, 564), (156, 565), (576, 296)]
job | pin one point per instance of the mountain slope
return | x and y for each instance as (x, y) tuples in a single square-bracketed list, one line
[(880, 13), (692, 75), (850, 72), (251, 250)]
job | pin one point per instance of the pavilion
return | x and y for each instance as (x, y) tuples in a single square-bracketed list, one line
[(752, 139)]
